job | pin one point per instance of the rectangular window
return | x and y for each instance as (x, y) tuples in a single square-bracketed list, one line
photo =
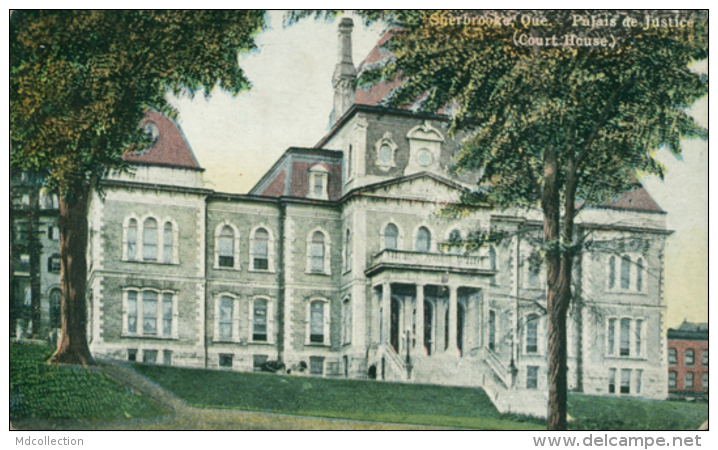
[(704, 381), (639, 381), (532, 377), (625, 337), (689, 380), (492, 330), (704, 358), (149, 356), (316, 322), (316, 365), (689, 358), (225, 360), (259, 327), (672, 380), (149, 312), (672, 357), (638, 342), (167, 357), (226, 310), (132, 239), (260, 249), (259, 361), (131, 312), (53, 264), (149, 240), (132, 354), (318, 186), (611, 336), (167, 314), (625, 381), (625, 272), (612, 381), (316, 253), (532, 334)]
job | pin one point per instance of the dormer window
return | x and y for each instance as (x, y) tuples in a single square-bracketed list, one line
[(318, 182), (385, 151)]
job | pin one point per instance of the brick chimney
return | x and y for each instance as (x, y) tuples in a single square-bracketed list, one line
[(345, 75)]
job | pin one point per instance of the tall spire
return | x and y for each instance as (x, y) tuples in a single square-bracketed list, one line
[(345, 75)]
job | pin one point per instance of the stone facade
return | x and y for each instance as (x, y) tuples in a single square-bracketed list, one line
[(336, 265)]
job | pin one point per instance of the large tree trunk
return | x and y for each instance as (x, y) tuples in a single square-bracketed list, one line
[(550, 203), (72, 347)]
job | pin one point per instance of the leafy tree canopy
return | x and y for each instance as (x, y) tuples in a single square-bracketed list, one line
[(603, 109), (81, 81)]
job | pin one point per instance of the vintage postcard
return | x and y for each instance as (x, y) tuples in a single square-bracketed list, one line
[(358, 220)]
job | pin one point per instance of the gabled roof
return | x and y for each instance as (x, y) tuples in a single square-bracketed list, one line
[(374, 187), (638, 200), (171, 148)]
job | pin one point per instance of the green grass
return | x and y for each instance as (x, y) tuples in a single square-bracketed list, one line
[(65, 392), (613, 413), (407, 403), (348, 399)]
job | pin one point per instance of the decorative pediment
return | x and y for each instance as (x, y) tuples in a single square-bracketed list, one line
[(424, 187), (425, 132)]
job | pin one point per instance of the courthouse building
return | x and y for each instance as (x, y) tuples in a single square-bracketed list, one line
[(335, 263)]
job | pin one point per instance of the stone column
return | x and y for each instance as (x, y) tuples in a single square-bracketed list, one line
[(452, 348), (419, 349), (386, 305)]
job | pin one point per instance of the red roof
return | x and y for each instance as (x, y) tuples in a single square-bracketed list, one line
[(637, 199), (171, 148)]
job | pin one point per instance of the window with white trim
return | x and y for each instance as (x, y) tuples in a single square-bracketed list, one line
[(226, 318), (391, 237), (532, 323), (53, 264), (422, 244), (318, 322), (493, 264), (131, 240), (261, 320), (316, 365), (150, 313), (55, 308), (532, 377), (625, 337), (385, 151), (625, 381), (149, 239), (261, 250), (639, 381), (318, 252), (611, 381), (318, 182), (167, 243), (226, 246), (626, 273)]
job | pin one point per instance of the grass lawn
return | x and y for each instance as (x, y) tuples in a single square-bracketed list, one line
[(407, 403), (66, 392)]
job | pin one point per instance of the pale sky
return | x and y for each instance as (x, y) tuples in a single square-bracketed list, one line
[(238, 139)]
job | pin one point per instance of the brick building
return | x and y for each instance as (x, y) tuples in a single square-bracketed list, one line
[(688, 360), (335, 264)]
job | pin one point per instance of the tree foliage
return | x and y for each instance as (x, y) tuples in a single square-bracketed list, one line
[(81, 81), (80, 84), (552, 125)]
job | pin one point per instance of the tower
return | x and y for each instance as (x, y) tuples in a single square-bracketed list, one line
[(345, 75)]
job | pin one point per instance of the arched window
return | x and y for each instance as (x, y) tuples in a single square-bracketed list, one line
[(534, 273), (316, 252), (625, 272), (149, 240), (612, 272), (347, 321), (423, 240), (391, 237), (532, 333), (260, 247), (55, 308), (639, 274), (132, 239), (455, 239), (225, 244), (167, 243)]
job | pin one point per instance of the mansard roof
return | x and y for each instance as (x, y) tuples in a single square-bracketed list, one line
[(171, 148)]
